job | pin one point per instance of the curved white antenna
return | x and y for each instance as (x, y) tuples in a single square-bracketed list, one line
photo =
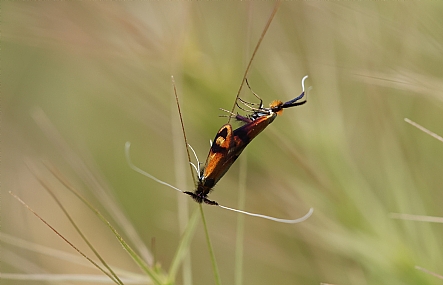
[(135, 168), (142, 172), (303, 83), (299, 220)]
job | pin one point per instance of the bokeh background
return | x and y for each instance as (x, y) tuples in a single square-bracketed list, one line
[(79, 79)]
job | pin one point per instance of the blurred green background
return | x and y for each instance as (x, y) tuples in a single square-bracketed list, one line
[(79, 79)]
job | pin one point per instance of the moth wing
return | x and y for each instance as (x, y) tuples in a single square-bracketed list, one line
[(227, 146), (218, 160)]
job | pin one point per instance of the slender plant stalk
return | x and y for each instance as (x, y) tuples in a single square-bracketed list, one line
[(240, 224), (423, 129), (155, 277), (65, 239), (276, 6), (184, 220), (183, 128), (240, 221), (48, 189), (183, 248), (208, 240), (83, 171), (211, 251), (429, 272)]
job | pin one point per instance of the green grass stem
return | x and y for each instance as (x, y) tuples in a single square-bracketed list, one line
[(183, 248), (211, 251), (240, 220), (156, 278)]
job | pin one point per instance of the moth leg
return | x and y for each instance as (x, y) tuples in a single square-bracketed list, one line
[(231, 115), (236, 116), (249, 105), (197, 168), (255, 94), (243, 118), (210, 202), (194, 196)]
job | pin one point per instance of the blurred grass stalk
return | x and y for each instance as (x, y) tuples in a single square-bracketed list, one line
[(101, 74)]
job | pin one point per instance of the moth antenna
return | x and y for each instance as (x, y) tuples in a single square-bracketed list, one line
[(295, 221), (303, 83), (294, 102), (135, 168), (142, 172)]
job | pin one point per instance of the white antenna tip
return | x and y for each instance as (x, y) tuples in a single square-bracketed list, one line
[(303, 83)]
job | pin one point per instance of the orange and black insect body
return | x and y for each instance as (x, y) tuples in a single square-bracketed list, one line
[(228, 144)]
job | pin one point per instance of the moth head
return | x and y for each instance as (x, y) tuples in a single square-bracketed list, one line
[(276, 106)]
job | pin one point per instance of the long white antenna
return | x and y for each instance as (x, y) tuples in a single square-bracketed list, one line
[(142, 172), (299, 220)]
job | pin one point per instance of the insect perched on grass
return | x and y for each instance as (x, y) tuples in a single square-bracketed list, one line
[(228, 144)]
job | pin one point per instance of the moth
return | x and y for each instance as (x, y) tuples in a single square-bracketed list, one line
[(228, 144)]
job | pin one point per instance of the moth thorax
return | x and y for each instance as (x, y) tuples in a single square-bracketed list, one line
[(276, 106)]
